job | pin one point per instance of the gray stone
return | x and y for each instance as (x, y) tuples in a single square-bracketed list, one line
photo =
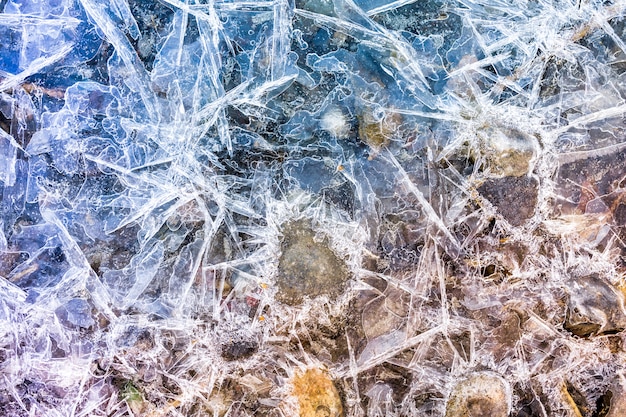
[(307, 266)]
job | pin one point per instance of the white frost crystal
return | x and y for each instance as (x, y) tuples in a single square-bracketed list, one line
[(335, 122)]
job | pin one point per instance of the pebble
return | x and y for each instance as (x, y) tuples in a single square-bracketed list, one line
[(480, 395), (316, 394)]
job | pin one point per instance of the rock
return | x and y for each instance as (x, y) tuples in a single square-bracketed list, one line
[(77, 313), (480, 395), (308, 267), (617, 406), (515, 198), (376, 130), (594, 307), (530, 404), (507, 152), (574, 402), (239, 349), (316, 394)]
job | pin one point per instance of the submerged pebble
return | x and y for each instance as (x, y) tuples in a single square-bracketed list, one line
[(515, 198), (595, 307), (308, 267), (507, 152), (316, 394), (480, 395)]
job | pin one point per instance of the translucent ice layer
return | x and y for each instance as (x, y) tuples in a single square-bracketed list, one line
[(324, 207)]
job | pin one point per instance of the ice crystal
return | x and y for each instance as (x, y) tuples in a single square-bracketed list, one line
[(324, 207)]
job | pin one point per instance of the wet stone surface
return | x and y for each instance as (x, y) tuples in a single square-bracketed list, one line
[(508, 152), (316, 394), (480, 395), (515, 198), (239, 349), (595, 307), (307, 266), (616, 399)]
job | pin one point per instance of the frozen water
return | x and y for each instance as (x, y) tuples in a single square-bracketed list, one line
[(213, 207)]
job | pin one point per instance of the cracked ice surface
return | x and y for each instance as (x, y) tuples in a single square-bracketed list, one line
[(346, 207)]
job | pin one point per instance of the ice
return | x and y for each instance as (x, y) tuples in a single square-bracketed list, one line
[(41, 37), (8, 150), (210, 208)]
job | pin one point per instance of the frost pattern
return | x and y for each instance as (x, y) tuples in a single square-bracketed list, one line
[(461, 162)]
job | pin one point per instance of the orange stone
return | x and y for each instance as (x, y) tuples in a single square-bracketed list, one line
[(316, 394)]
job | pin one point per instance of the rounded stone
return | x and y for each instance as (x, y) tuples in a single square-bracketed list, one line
[(618, 399), (316, 394), (308, 267), (480, 395), (594, 307), (508, 152)]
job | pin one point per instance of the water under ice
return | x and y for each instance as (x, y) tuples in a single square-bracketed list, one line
[(323, 207)]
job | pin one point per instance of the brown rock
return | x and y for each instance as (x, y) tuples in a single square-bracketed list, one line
[(480, 395), (594, 307), (618, 400), (515, 198), (316, 394), (507, 152)]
